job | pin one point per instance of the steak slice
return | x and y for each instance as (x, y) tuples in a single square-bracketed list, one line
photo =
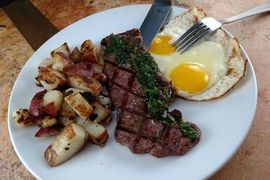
[(173, 143), (130, 121), (135, 128)]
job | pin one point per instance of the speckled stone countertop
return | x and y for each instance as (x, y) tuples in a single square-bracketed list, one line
[(251, 161)]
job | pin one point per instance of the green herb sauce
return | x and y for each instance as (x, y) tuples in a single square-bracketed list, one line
[(185, 127)]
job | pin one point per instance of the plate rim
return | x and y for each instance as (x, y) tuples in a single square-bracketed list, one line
[(244, 53), (248, 63)]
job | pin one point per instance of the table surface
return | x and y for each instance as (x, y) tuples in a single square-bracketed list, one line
[(251, 160)]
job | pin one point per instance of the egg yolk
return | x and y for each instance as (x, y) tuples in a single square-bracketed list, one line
[(191, 78), (161, 45)]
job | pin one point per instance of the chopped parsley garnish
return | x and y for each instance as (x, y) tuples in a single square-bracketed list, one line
[(187, 130), (175, 117), (119, 47), (146, 71)]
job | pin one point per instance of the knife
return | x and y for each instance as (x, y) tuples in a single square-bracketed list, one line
[(154, 20)]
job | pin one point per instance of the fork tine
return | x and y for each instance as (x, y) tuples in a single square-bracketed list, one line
[(191, 35), (191, 38), (188, 32), (188, 44)]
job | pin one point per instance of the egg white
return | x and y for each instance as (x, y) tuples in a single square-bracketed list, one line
[(208, 54), (230, 65)]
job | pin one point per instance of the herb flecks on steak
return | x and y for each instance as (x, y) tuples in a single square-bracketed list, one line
[(175, 117), (146, 71)]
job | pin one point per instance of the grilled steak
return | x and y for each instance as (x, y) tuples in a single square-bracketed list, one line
[(136, 128)]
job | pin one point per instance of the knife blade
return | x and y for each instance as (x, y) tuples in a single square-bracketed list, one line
[(32, 24), (154, 20)]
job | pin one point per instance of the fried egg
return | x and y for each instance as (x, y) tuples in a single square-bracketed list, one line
[(203, 72)]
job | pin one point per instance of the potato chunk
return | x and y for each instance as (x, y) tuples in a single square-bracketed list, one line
[(50, 79), (46, 121), (62, 49), (76, 55), (67, 143), (79, 105), (88, 84), (97, 133), (46, 132), (66, 110), (22, 117), (35, 108), (58, 61), (88, 51), (100, 113), (46, 63), (52, 102)]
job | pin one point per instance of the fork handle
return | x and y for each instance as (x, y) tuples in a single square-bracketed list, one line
[(257, 10)]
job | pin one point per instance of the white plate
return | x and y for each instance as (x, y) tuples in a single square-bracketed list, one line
[(224, 122)]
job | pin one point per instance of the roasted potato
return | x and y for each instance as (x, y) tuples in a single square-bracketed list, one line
[(97, 133), (65, 121), (66, 110), (22, 117), (62, 49), (75, 55), (97, 68), (59, 61), (82, 69), (46, 63), (46, 121), (52, 102), (56, 112), (68, 142), (46, 132), (88, 51), (50, 79), (88, 84), (37, 82), (88, 97), (79, 105), (99, 114), (35, 108), (79, 69)]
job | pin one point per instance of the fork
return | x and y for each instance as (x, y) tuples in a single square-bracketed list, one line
[(208, 25)]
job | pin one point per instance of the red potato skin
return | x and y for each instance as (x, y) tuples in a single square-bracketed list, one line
[(61, 84), (67, 62), (90, 56), (50, 110), (35, 108), (46, 132), (82, 69)]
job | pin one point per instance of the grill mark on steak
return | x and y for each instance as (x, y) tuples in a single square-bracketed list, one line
[(135, 128), (133, 86)]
